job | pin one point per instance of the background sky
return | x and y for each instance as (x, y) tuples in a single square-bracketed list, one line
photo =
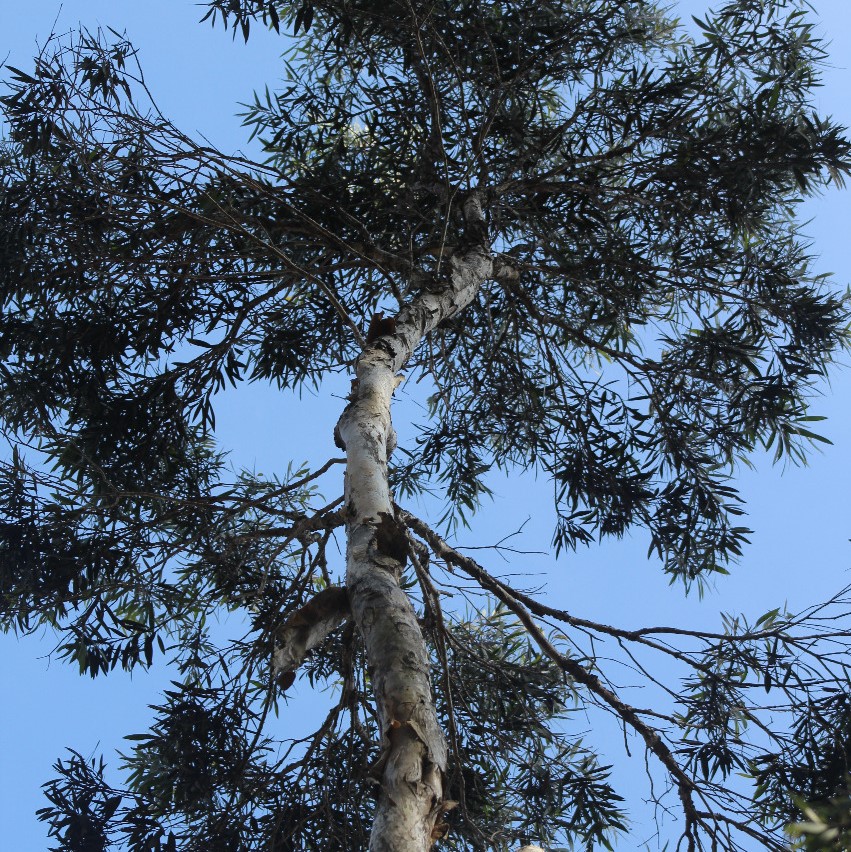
[(799, 553)]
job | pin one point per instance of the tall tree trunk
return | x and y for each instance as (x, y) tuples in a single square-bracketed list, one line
[(412, 765)]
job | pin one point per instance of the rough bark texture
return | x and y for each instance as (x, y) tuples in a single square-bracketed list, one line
[(412, 764)]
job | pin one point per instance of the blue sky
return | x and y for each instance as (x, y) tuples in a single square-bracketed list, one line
[(800, 551)]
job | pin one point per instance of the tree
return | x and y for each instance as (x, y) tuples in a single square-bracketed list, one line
[(576, 226)]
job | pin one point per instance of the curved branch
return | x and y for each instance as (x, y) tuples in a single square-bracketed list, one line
[(652, 740)]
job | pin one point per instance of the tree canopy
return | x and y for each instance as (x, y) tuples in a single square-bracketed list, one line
[(575, 226)]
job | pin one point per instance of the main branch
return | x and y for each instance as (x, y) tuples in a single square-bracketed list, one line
[(412, 765)]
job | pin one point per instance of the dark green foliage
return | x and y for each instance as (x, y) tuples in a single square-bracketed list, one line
[(826, 826), (195, 751), (637, 180), (83, 805), (655, 321), (816, 770), (512, 768)]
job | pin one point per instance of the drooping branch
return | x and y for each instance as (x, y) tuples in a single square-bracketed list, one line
[(654, 743), (730, 648)]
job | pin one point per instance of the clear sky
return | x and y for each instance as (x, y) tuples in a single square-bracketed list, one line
[(800, 551)]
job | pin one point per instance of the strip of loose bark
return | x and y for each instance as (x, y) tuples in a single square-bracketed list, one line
[(306, 628)]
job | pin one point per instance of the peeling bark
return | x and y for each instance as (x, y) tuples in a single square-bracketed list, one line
[(306, 628), (412, 765)]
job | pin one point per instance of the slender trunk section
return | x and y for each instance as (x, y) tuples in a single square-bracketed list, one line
[(412, 765)]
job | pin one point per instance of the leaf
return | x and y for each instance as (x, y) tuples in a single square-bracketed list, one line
[(704, 25), (21, 76), (110, 806), (768, 618)]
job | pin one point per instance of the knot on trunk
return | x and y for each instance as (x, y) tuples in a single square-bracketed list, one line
[(391, 540)]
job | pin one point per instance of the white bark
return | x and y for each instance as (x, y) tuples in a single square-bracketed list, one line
[(412, 764)]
